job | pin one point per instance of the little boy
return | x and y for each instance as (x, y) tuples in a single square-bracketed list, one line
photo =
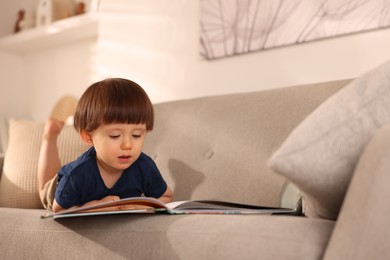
[(113, 116)]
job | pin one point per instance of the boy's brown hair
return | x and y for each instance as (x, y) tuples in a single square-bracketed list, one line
[(113, 100)]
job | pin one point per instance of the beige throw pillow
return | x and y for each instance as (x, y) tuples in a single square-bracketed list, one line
[(320, 154), (19, 184)]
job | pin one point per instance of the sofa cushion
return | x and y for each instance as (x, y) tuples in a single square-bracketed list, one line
[(19, 184), (148, 236), (3, 134), (365, 213), (320, 154)]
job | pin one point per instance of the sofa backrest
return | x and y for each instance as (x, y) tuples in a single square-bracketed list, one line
[(217, 147), (207, 148)]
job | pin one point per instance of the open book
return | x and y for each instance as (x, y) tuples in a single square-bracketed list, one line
[(152, 205)]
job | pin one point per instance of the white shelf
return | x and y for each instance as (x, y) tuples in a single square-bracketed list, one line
[(58, 33)]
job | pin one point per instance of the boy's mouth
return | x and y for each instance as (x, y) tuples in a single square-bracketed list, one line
[(124, 158)]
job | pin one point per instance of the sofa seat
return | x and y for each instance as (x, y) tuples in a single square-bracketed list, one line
[(150, 236)]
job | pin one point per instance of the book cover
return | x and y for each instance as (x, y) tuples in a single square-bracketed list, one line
[(152, 205)]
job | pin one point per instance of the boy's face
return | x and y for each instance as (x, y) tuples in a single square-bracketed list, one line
[(117, 145)]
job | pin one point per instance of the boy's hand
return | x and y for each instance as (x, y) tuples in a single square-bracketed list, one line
[(167, 196), (58, 208), (109, 198), (105, 199)]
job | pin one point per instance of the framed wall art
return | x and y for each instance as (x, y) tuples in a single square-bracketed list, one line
[(232, 27)]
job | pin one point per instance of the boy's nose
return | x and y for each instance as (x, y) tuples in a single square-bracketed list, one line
[(126, 144)]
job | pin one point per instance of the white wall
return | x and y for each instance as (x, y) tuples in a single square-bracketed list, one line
[(56, 72), (155, 43), (12, 72)]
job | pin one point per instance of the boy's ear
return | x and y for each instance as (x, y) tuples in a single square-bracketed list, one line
[(86, 137)]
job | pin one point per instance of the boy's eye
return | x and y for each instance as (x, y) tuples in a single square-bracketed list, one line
[(136, 136), (114, 136)]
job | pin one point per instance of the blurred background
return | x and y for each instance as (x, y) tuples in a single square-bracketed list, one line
[(155, 43)]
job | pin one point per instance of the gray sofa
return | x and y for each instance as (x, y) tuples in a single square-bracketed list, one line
[(215, 147)]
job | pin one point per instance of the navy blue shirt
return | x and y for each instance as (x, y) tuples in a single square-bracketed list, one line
[(80, 182)]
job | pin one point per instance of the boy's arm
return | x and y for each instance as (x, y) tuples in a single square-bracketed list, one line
[(58, 208), (167, 196)]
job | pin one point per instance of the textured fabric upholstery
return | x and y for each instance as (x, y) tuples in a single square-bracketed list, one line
[(320, 154), (162, 237), (19, 181), (362, 230), (211, 147), (217, 147)]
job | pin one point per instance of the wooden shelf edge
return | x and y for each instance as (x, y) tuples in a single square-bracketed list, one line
[(58, 33)]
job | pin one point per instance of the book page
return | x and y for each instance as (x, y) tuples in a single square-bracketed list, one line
[(127, 204), (220, 207)]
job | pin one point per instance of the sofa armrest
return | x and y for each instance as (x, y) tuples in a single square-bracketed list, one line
[(1, 163), (362, 230)]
